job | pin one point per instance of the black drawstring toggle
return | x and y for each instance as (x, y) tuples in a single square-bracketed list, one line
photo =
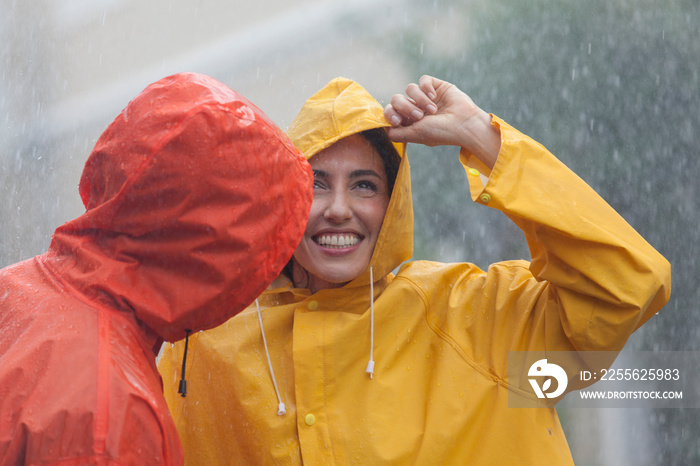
[(182, 390)]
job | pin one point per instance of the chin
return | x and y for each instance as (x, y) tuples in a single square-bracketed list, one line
[(341, 278), (340, 274)]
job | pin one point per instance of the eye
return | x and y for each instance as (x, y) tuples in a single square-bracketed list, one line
[(366, 184), (319, 184)]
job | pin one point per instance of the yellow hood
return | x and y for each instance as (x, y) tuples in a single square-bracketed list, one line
[(343, 108)]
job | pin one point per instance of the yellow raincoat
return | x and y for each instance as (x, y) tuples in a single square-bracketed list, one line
[(440, 334)]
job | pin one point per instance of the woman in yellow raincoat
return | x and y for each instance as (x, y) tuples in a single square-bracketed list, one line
[(342, 361)]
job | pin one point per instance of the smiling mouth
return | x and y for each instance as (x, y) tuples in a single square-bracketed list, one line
[(337, 241)]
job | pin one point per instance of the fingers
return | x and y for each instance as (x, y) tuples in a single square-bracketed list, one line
[(415, 104), (421, 99), (428, 85), (392, 115), (402, 111)]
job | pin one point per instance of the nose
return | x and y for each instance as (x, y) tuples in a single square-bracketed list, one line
[(338, 208)]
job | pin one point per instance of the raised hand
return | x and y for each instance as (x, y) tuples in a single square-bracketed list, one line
[(435, 112)]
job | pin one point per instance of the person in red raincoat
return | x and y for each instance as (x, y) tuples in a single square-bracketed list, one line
[(194, 201)]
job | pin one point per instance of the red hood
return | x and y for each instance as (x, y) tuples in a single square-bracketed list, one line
[(195, 201)]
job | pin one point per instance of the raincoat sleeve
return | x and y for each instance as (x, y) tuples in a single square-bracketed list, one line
[(592, 279)]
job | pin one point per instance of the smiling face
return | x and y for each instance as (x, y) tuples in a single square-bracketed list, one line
[(351, 196)]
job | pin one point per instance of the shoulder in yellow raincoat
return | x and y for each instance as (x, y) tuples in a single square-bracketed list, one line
[(440, 334)]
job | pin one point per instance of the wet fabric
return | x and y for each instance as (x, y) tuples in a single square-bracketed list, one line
[(194, 202), (442, 332)]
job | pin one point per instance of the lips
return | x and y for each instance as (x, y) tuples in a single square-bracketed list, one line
[(337, 241)]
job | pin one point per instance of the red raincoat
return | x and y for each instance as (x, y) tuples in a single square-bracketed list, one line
[(195, 201)]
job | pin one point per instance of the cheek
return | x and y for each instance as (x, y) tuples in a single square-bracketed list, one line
[(314, 214), (374, 214)]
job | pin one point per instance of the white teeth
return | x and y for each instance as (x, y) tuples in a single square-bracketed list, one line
[(339, 241)]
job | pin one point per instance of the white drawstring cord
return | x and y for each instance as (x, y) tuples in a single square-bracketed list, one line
[(281, 411), (370, 364)]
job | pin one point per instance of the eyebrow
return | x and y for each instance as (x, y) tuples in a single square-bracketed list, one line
[(360, 173), (354, 174)]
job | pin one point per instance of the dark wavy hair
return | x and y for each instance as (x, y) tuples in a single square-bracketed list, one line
[(380, 141)]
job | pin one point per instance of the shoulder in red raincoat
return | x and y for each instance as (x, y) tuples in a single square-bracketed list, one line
[(194, 202)]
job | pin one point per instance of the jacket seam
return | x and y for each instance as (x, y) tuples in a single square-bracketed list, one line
[(448, 338)]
